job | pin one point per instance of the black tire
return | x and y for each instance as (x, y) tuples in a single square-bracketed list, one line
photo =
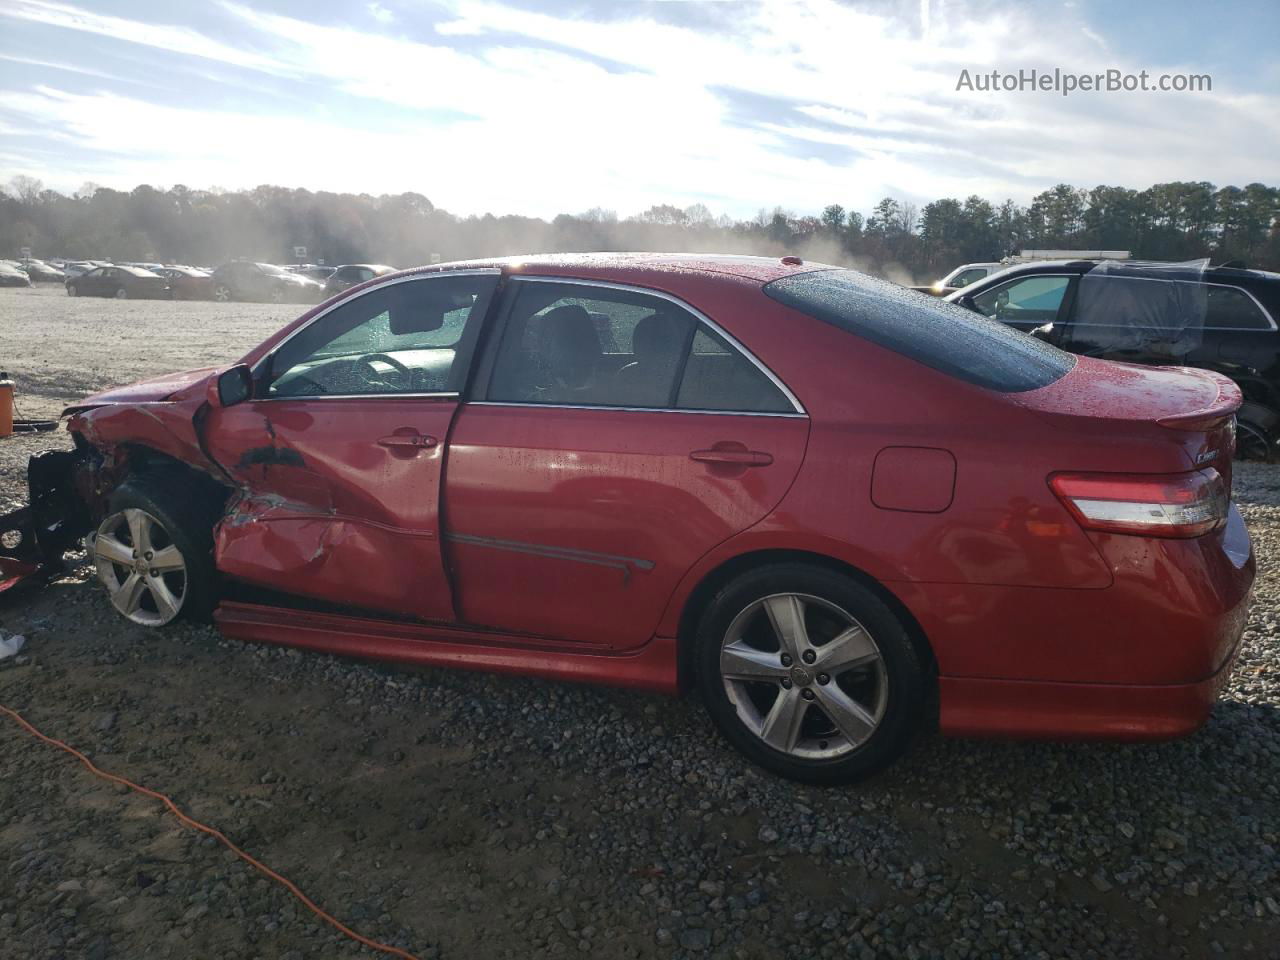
[(906, 680), (188, 516), (1257, 432), (73, 290)]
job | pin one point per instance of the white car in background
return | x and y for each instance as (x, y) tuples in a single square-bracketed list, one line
[(967, 273)]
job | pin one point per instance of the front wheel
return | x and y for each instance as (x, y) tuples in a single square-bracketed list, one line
[(154, 554), (810, 674), (122, 293), (222, 293), (73, 290)]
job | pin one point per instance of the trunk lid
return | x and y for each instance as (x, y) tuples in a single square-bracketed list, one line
[(1191, 409)]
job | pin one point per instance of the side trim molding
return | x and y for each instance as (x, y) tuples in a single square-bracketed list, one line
[(613, 561)]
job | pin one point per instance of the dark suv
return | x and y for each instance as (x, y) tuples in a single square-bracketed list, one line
[(1176, 314)]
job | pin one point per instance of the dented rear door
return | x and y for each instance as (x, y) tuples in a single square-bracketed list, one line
[(339, 456)]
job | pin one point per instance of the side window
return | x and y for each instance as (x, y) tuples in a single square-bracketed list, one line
[(1230, 308), (415, 336), (718, 377), (966, 277), (571, 344), (1032, 300), (590, 346)]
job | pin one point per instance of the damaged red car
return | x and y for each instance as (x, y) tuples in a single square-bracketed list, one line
[(841, 510)]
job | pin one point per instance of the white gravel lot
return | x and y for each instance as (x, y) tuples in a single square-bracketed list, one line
[(473, 816)]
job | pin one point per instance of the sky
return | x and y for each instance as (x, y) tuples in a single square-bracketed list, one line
[(540, 108)]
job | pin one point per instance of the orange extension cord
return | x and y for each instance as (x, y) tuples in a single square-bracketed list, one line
[(196, 825)]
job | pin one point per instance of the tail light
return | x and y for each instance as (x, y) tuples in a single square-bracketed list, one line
[(1175, 505)]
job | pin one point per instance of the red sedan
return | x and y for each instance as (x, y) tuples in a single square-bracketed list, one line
[(842, 510)]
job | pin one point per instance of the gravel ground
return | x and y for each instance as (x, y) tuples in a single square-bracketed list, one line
[(466, 815)]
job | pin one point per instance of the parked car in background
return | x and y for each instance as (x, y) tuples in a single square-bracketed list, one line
[(11, 276), (76, 268), (123, 283), (968, 273), (263, 283), (313, 271), (1164, 314), (41, 272), (349, 274), (844, 511), (188, 283)]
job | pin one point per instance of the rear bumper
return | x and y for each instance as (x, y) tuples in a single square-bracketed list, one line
[(1143, 659), (1077, 711)]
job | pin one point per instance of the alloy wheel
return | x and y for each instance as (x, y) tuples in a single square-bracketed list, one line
[(804, 676), (141, 567), (222, 293), (122, 293)]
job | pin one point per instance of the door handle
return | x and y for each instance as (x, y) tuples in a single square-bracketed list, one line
[(416, 440), (738, 458)]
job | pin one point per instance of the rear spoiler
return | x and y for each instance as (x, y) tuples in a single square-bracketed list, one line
[(1212, 414)]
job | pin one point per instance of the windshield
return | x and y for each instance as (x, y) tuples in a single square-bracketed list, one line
[(943, 336)]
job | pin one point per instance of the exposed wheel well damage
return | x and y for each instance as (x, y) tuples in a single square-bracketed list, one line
[(70, 491), (718, 578)]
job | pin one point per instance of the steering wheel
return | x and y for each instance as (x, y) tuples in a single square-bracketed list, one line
[(390, 361)]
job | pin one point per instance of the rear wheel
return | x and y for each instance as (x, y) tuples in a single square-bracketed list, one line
[(154, 553), (1257, 429), (276, 295), (810, 674), (222, 293), (122, 293)]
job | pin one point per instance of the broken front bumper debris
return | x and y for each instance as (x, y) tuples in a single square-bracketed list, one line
[(34, 538)]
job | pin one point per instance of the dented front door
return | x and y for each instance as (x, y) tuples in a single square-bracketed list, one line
[(340, 500), (339, 456)]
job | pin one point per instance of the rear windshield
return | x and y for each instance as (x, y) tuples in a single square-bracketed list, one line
[(940, 335)]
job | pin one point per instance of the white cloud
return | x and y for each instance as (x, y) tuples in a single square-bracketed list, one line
[(163, 37), (55, 65)]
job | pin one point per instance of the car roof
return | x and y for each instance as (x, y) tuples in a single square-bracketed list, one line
[(636, 267)]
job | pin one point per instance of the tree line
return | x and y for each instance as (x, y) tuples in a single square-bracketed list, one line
[(1168, 221)]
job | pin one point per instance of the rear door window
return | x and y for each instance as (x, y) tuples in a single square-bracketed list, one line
[(592, 346), (719, 377), (1231, 308), (578, 345)]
